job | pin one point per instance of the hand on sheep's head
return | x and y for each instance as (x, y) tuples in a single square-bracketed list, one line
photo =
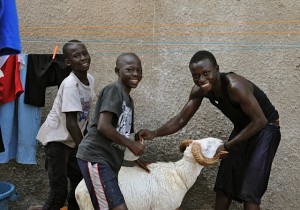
[(210, 145), (132, 153), (223, 150)]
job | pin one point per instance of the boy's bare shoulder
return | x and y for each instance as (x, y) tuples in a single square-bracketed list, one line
[(197, 92)]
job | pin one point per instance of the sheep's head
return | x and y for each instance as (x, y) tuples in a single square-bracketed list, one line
[(204, 150)]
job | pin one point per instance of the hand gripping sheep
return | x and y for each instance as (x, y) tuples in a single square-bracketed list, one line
[(168, 182)]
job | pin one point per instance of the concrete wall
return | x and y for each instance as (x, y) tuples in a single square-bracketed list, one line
[(258, 40)]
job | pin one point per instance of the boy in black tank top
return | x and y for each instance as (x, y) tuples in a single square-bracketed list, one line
[(243, 176)]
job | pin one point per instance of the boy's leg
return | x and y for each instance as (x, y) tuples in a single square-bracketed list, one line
[(251, 206), (121, 207), (75, 176), (222, 202), (260, 154), (102, 185), (246, 164), (56, 167)]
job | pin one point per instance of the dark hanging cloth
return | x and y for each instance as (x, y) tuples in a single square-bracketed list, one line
[(1, 142), (43, 72)]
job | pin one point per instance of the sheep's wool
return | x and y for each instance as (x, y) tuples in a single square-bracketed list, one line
[(162, 189)]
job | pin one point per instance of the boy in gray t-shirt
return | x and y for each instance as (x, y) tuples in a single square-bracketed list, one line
[(101, 152)]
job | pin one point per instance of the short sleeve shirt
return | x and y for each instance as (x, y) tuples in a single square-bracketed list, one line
[(97, 148), (72, 96)]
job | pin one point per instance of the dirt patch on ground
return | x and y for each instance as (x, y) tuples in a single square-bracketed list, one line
[(30, 180)]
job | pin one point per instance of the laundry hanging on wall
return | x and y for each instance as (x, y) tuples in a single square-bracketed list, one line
[(10, 89), (9, 28), (10, 83), (2, 149), (19, 124), (20, 121), (43, 71)]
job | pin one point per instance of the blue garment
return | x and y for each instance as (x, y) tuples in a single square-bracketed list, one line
[(8, 124), (19, 124), (9, 28), (1, 7), (2, 149), (29, 122)]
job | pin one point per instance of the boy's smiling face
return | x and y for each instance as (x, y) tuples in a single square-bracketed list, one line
[(78, 58), (204, 74), (129, 70)]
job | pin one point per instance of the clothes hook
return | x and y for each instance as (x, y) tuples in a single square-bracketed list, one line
[(55, 52)]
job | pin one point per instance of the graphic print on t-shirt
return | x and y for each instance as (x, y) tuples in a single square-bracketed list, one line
[(124, 124), (84, 115)]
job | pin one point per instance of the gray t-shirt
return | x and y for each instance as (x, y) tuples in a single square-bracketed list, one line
[(97, 148)]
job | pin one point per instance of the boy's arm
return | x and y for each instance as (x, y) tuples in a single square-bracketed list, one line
[(73, 128), (180, 120), (240, 92), (106, 128)]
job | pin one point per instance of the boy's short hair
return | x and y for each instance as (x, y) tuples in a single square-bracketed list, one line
[(65, 47), (201, 55), (125, 54)]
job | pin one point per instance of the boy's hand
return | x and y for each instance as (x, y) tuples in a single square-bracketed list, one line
[(146, 134), (220, 149), (136, 147)]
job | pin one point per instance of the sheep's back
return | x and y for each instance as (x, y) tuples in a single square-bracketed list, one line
[(160, 188)]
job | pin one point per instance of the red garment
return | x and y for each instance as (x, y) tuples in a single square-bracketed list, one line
[(10, 85)]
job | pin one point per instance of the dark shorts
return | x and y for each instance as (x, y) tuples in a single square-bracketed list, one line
[(102, 185), (244, 174)]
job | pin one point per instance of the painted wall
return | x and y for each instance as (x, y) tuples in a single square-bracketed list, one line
[(258, 39)]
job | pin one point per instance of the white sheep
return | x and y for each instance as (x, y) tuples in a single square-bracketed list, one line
[(164, 188)]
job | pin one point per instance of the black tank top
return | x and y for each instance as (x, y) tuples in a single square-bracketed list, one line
[(233, 110)]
